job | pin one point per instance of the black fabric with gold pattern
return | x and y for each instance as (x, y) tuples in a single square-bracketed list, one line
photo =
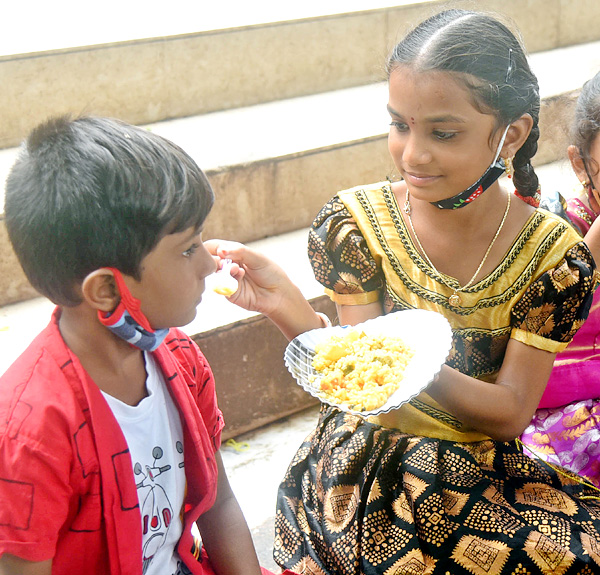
[(558, 316), (375, 501), (356, 271), (362, 499)]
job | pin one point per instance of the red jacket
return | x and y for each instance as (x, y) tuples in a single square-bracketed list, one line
[(66, 480)]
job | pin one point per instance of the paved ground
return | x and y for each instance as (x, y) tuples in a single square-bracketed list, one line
[(256, 464)]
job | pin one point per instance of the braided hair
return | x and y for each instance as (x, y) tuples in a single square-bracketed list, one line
[(489, 60)]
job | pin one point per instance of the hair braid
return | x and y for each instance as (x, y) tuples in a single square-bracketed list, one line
[(525, 178)]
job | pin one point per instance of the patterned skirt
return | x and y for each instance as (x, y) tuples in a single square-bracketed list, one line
[(363, 499)]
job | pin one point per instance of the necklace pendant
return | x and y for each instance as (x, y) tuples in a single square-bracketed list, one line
[(454, 300)]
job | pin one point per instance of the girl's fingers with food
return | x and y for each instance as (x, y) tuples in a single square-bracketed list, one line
[(261, 270), (260, 282)]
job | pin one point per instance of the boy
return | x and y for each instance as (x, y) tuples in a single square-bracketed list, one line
[(109, 426)]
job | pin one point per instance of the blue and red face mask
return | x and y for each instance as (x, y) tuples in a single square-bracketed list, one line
[(128, 322)]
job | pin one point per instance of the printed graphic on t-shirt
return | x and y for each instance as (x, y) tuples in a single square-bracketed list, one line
[(156, 509), (182, 569)]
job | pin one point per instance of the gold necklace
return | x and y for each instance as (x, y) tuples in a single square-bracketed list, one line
[(454, 300)]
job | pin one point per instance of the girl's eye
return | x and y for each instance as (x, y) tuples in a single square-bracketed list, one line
[(444, 136), (191, 250), (400, 126)]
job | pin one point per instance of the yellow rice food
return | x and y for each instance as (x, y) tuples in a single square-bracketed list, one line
[(360, 370)]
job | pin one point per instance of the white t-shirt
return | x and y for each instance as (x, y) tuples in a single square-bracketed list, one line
[(154, 435)]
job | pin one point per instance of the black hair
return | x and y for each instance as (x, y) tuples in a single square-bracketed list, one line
[(92, 192), (491, 62), (586, 123)]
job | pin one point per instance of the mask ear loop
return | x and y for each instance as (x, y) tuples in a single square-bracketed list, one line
[(127, 302), (501, 163), (128, 322), (509, 69)]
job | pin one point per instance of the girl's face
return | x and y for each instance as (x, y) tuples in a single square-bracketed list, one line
[(440, 143), (594, 166), (591, 167)]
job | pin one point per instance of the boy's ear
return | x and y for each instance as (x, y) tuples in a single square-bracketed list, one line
[(516, 135), (99, 290), (577, 163)]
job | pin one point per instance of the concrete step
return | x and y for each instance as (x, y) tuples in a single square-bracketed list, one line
[(244, 349), (274, 165), (196, 57)]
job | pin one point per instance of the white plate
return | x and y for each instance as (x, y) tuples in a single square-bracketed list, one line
[(428, 333)]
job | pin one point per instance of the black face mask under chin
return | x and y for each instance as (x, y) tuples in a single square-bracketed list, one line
[(467, 196)]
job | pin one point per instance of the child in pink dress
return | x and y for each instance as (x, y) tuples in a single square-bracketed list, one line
[(565, 430)]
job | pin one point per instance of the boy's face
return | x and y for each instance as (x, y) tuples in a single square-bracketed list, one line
[(172, 279)]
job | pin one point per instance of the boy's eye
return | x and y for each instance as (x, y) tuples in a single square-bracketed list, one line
[(400, 126), (191, 250), (444, 135)]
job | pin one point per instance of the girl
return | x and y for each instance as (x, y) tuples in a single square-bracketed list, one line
[(439, 485), (564, 431)]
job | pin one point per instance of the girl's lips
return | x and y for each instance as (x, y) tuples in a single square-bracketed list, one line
[(419, 179)]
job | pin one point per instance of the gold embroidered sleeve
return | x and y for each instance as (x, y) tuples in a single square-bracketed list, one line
[(554, 306), (340, 258)]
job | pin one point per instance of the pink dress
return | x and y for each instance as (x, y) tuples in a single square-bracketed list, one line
[(565, 430)]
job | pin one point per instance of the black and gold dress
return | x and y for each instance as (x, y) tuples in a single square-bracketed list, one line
[(417, 491)]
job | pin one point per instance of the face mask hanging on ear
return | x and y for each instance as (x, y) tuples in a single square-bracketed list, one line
[(128, 322), (465, 197)]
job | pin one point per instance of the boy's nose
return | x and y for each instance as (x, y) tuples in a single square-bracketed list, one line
[(212, 265), (208, 264)]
